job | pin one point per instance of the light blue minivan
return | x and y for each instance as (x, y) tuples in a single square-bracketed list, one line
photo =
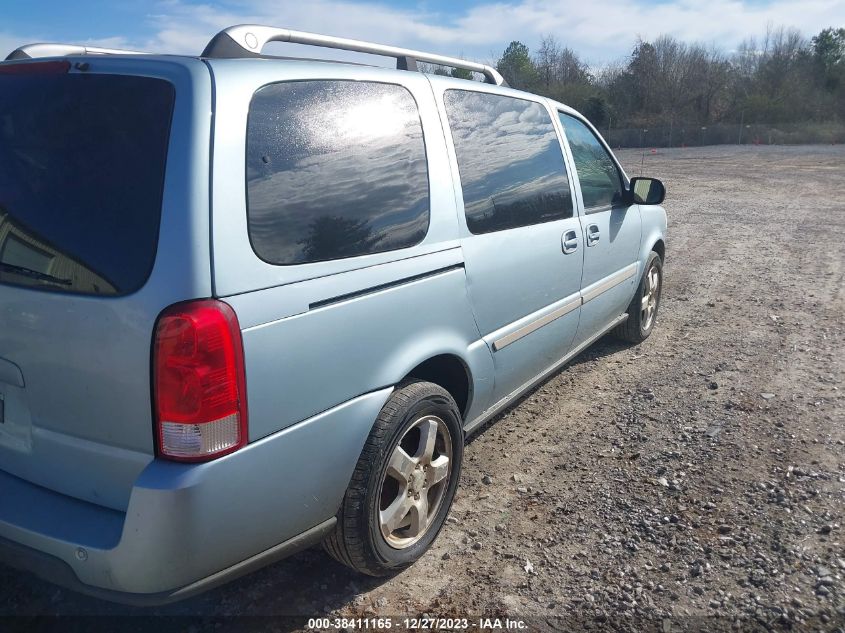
[(249, 303)]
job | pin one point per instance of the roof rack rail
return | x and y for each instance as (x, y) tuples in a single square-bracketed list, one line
[(31, 51), (248, 40)]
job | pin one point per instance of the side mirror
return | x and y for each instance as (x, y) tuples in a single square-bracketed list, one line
[(647, 191)]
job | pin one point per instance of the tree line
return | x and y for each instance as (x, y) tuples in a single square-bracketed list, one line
[(782, 77)]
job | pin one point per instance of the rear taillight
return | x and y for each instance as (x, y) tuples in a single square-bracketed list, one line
[(199, 385)]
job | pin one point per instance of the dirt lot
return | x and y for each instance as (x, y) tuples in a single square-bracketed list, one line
[(702, 473)]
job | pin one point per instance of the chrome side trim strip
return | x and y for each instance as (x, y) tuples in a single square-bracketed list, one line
[(322, 303), (603, 285), (534, 322), (507, 400)]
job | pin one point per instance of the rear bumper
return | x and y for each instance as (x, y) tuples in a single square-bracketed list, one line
[(189, 527), (58, 572)]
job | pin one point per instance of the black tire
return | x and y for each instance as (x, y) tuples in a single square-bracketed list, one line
[(635, 330), (357, 540)]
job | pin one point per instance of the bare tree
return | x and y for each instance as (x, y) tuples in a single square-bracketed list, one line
[(559, 65), (667, 83)]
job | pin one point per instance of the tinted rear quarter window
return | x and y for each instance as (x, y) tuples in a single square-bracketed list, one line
[(82, 162), (335, 169), (510, 161)]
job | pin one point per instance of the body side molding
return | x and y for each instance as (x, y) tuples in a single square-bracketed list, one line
[(507, 400)]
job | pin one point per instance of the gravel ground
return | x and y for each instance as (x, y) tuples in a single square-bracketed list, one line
[(699, 474)]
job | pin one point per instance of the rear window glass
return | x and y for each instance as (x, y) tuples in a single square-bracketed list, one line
[(82, 160), (335, 169), (509, 159)]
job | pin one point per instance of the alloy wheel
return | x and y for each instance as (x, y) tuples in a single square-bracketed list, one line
[(415, 482), (650, 298)]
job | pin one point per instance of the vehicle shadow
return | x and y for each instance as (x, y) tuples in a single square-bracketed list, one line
[(608, 345), (287, 593)]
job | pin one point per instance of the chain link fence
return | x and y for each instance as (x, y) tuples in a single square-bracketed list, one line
[(726, 134)]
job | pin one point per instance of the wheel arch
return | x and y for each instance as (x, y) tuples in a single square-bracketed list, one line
[(659, 247), (653, 233), (654, 241), (451, 372)]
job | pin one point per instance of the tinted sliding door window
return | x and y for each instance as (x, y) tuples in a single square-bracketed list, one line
[(335, 169), (601, 182), (510, 161)]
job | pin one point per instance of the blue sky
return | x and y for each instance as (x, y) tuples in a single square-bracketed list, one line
[(600, 32)]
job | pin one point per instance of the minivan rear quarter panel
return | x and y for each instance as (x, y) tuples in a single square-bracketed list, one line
[(85, 360)]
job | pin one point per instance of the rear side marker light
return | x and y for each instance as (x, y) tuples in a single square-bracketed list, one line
[(199, 384)]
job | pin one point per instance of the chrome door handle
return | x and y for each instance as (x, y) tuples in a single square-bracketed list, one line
[(593, 234), (570, 242)]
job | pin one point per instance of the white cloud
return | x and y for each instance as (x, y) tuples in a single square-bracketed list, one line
[(599, 32), (10, 41)]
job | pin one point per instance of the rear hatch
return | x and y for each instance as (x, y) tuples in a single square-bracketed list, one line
[(83, 174)]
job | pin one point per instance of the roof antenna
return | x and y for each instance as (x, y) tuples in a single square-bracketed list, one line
[(642, 144)]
